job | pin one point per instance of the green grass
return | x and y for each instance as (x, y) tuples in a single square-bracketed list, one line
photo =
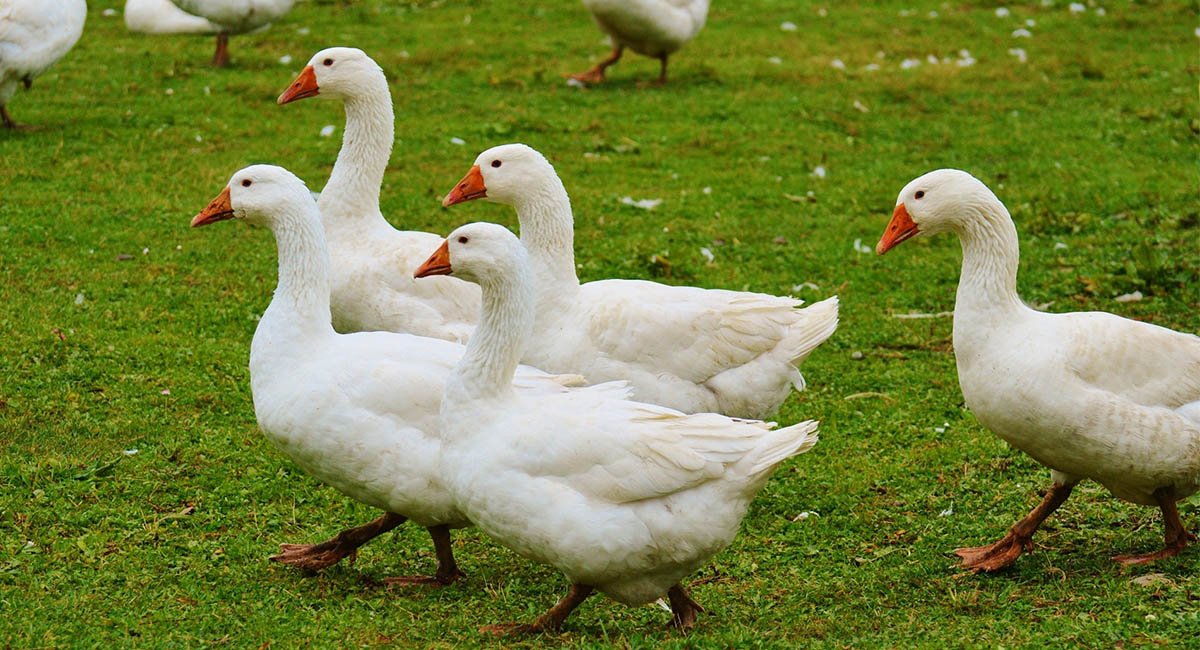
[(124, 329)]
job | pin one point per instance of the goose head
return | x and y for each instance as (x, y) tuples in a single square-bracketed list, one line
[(476, 253), (506, 174), (335, 72), (258, 194), (940, 201)]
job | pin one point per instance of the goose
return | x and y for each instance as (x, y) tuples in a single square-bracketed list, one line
[(357, 411), (373, 288), (695, 350), (34, 34), (234, 17), (654, 28), (1090, 395), (163, 17), (622, 497)]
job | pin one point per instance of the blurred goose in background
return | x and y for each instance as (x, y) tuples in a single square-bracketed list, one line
[(654, 28), (235, 17), (1089, 395), (34, 34), (691, 349), (356, 411), (163, 17), (623, 497), (373, 287)]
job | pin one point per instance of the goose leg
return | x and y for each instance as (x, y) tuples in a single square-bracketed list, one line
[(221, 56), (662, 74), (1176, 536), (683, 608), (596, 74), (1019, 539), (447, 571), (314, 557), (8, 120), (549, 621)]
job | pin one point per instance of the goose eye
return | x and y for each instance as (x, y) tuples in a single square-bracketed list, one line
[(327, 62), (247, 183), (463, 239), (496, 163), (919, 195)]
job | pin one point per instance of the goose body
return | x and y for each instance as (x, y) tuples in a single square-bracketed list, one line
[(163, 17), (358, 411), (1090, 395), (653, 28), (691, 349), (231, 17), (373, 287), (623, 497), (34, 34)]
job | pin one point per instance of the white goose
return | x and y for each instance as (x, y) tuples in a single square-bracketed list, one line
[(654, 28), (357, 411), (623, 497), (696, 350), (373, 287), (34, 34), (1088, 394), (235, 17), (163, 17)]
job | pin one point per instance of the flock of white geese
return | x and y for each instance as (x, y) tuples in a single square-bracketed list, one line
[(610, 428)]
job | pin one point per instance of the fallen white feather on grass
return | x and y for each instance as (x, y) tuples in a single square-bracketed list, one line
[(645, 204), (860, 247), (327, 130), (1136, 296), (916, 315)]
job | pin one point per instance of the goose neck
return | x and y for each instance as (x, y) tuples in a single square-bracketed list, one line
[(991, 255), (302, 295), (495, 349), (548, 233), (353, 187)]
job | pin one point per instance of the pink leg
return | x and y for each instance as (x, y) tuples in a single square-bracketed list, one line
[(1019, 539)]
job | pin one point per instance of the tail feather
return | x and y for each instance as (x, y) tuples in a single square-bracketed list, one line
[(781, 444), (819, 322)]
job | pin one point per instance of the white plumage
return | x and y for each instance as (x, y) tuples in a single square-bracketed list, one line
[(696, 350), (373, 287), (235, 17), (623, 497), (163, 17), (654, 28), (34, 34), (1088, 394), (357, 411)]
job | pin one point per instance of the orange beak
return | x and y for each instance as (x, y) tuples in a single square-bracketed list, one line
[(219, 209), (437, 264), (303, 87), (471, 187), (900, 228)]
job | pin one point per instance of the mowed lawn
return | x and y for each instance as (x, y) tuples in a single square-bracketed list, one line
[(139, 502)]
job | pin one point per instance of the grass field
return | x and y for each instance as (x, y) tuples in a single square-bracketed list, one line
[(138, 501)]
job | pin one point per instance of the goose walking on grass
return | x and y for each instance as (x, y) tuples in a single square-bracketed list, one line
[(1089, 395), (653, 28), (373, 287), (691, 349), (623, 497), (357, 411), (235, 17), (34, 34)]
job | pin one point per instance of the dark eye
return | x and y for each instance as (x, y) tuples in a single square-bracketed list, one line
[(919, 195), (463, 239), (496, 163), (327, 62), (247, 183)]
